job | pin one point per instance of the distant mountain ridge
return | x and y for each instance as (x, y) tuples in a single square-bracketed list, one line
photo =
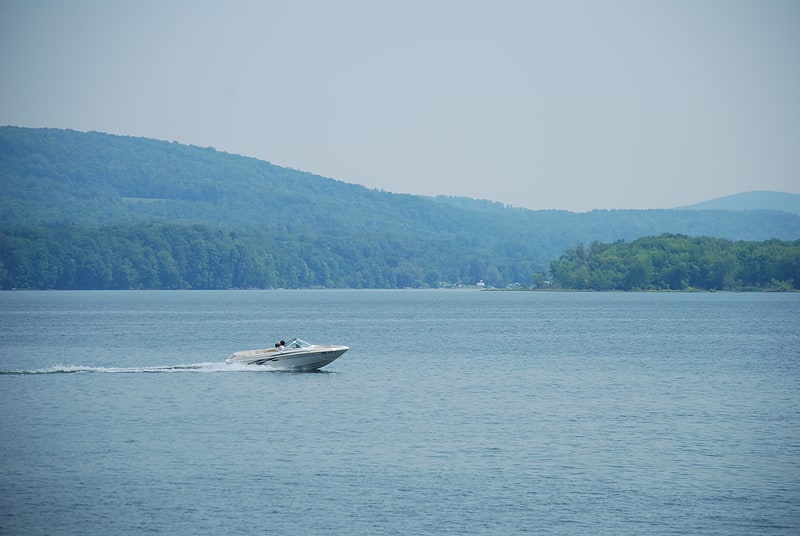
[(755, 200), (109, 191)]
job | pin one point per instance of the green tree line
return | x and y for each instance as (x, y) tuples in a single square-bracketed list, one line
[(171, 256), (678, 262)]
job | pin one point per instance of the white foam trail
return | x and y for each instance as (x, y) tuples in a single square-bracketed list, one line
[(195, 367)]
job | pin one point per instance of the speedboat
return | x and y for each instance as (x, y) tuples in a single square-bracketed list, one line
[(297, 355)]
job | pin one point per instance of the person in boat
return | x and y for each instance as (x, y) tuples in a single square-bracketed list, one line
[(280, 346)]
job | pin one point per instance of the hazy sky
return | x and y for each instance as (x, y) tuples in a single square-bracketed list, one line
[(541, 104)]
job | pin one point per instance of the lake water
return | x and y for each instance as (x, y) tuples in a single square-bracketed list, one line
[(454, 412)]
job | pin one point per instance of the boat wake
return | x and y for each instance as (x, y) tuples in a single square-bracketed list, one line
[(196, 367)]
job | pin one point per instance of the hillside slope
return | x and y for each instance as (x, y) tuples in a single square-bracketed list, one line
[(61, 181), (757, 200)]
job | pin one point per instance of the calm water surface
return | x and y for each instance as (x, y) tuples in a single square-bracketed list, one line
[(455, 412)]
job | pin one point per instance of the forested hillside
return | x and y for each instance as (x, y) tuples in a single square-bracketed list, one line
[(92, 210)]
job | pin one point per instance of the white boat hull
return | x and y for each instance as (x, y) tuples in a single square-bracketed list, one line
[(306, 359)]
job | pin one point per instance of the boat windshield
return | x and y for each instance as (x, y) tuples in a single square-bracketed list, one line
[(298, 343)]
